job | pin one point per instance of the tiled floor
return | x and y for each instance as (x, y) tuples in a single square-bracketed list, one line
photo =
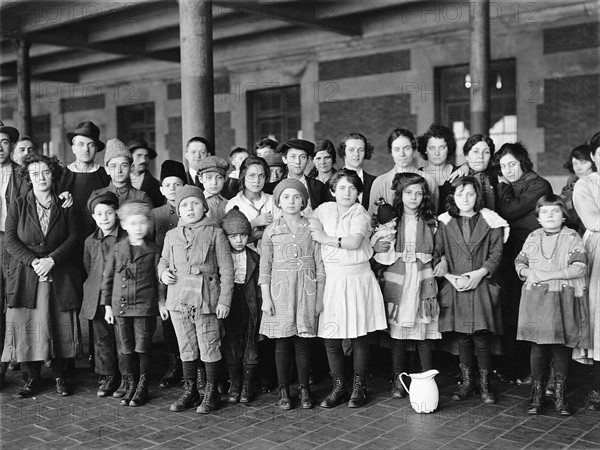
[(85, 421)]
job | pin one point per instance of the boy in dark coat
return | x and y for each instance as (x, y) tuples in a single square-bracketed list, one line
[(130, 296), (241, 326), (96, 248), (172, 178)]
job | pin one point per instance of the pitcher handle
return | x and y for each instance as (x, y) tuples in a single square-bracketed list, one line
[(401, 381)]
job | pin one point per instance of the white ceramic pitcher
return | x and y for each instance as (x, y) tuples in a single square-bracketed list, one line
[(424, 394)]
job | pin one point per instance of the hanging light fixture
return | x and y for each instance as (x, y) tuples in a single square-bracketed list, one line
[(468, 81), (498, 82)]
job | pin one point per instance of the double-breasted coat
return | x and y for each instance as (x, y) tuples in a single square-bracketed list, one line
[(26, 242), (130, 283), (96, 250), (477, 309)]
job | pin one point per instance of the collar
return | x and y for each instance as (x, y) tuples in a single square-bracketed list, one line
[(76, 168), (120, 190), (360, 172), (193, 173), (204, 222)]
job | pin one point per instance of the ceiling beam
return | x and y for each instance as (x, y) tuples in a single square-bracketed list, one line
[(309, 14)]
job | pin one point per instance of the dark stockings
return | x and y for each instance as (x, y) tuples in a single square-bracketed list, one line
[(283, 358), (399, 354)]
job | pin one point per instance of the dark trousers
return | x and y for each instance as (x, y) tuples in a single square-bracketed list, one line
[(425, 348), (542, 355), (170, 337), (105, 347), (336, 358), (284, 349), (3, 366), (471, 344), (239, 341)]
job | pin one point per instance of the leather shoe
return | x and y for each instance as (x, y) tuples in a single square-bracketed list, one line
[(62, 388)]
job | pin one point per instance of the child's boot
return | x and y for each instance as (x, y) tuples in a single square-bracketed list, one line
[(141, 393), (338, 394), (108, 386), (467, 388), (131, 388), (235, 390), (306, 400), (122, 389), (283, 395), (189, 398), (487, 396), (537, 398), (593, 400), (560, 399), (397, 388), (174, 373), (358, 398), (212, 398), (247, 394)]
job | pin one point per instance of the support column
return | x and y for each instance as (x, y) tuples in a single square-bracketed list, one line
[(197, 92), (23, 85), (480, 66)]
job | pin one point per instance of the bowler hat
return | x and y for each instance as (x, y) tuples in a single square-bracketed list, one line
[(140, 143), (12, 132), (300, 144), (87, 129)]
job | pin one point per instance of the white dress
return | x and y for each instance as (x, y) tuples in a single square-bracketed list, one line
[(352, 301)]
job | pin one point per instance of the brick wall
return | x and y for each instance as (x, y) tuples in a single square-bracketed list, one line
[(574, 37), (375, 117), (569, 117), (224, 134), (365, 65)]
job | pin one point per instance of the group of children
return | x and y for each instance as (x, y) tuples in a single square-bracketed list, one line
[(226, 273)]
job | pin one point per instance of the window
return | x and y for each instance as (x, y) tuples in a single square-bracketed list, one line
[(274, 112), (453, 102), (137, 122)]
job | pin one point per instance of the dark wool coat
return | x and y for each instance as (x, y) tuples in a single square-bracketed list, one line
[(96, 249), (26, 242), (130, 283), (165, 218), (251, 289), (516, 204), (367, 183), (477, 309), (151, 186)]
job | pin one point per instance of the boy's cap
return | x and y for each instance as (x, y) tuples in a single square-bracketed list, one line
[(140, 143), (300, 144), (274, 159), (291, 184), (172, 168), (114, 149), (102, 197), (133, 208), (189, 190), (213, 164), (236, 222), (87, 129)]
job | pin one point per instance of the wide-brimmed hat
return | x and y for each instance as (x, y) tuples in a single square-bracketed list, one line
[(300, 144), (87, 129), (140, 143), (12, 132)]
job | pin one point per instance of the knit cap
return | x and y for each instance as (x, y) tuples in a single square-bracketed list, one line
[(133, 208), (189, 190), (386, 212), (236, 222), (114, 149), (213, 164), (98, 196), (290, 183), (274, 159)]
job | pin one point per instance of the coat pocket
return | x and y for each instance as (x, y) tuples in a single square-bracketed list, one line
[(494, 290), (447, 294)]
